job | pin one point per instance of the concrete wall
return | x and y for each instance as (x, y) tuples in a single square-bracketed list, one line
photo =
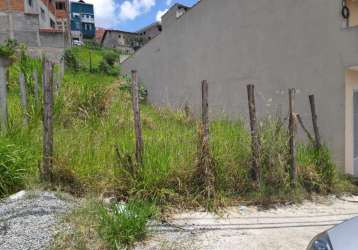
[(276, 45), (172, 15), (24, 28), (26, 31), (46, 16)]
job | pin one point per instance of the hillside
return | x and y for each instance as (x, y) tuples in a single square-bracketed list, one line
[(94, 150)]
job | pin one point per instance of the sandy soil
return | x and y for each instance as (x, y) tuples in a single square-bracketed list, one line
[(288, 227)]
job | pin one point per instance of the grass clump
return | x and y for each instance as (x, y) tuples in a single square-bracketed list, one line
[(13, 168), (98, 226), (124, 224)]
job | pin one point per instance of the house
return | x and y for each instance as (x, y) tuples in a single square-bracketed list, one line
[(82, 21), (34, 23), (125, 41), (129, 42), (149, 32), (309, 45)]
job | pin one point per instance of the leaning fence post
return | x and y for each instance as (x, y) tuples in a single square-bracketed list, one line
[(23, 94), (314, 121), (36, 86), (254, 133), (137, 121), (47, 122), (3, 100), (293, 169)]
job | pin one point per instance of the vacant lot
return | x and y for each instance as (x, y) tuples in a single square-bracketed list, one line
[(290, 227)]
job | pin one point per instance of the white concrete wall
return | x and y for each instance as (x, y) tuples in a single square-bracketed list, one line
[(276, 45)]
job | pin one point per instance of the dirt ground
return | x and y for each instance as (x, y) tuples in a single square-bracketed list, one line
[(251, 228)]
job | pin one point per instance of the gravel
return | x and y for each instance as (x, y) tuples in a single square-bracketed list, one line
[(28, 220), (251, 228)]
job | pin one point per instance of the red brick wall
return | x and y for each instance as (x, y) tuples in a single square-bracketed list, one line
[(15, 5)]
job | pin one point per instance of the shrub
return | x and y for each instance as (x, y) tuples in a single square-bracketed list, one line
[(122, 225), (71, 60), (8, 49), (106, 68), (111, 57), (12, 168), (143, 92)]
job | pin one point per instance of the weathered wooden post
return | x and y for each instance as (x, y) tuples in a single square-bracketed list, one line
[(36, 86), (314, 122), (23, 95), (299, 119), (255, 144), (205, 112), (47, 122), (292, 128), (3, 96), (206, 163), (137, 121)]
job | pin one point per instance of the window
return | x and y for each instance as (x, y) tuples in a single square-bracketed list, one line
[(29, 2), (119, 36), (60, 6)]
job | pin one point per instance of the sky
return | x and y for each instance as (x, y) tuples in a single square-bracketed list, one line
[(131, 15)]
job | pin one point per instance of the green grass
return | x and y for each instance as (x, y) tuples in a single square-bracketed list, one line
[(122, 225), (94, 154)]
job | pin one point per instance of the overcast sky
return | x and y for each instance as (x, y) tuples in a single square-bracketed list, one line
[(131, 15)]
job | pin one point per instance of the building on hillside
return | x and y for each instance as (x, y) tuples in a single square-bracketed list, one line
[(99, 34), (309, 45), (62, 15), (82, 21), (32, 22), (132, 41), (173, 14), (149, 32), (129, 42)]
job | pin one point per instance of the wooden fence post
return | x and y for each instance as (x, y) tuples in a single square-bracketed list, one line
[(314, 121), (137, 121), (23, 94), (35, 77), (255, 144), (292, 128), (47, 122), (90, 61), (205, 111), (3, 100)]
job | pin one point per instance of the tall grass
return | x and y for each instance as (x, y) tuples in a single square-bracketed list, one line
[(94, 147)]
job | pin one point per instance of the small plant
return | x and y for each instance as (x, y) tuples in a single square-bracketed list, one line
[(124, 224), (143, 92), (8, 49)]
